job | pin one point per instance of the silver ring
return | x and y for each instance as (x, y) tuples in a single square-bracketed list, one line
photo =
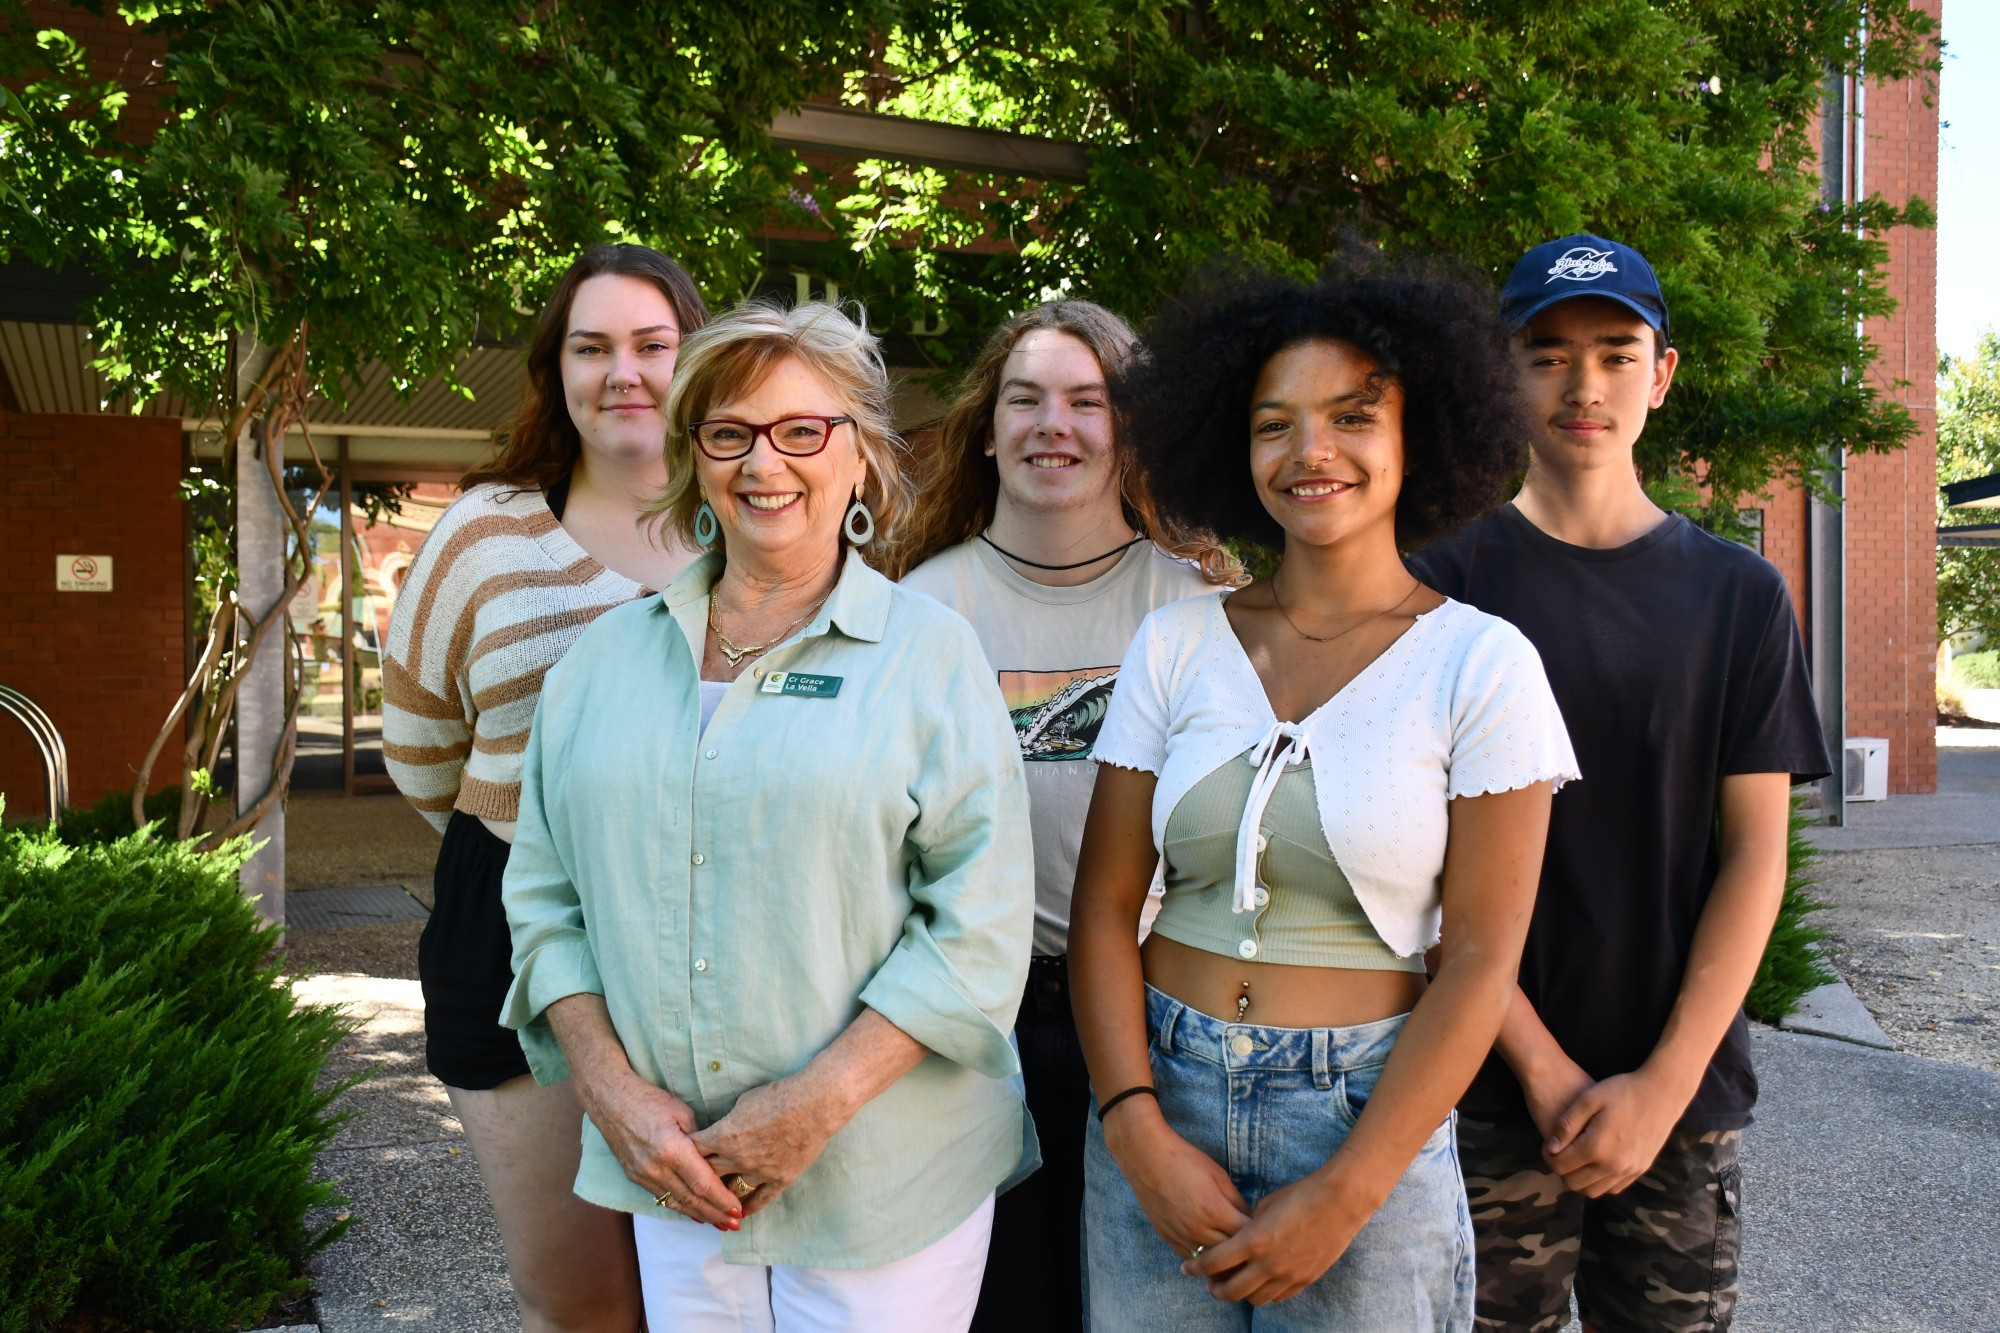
[(1195, 1253)]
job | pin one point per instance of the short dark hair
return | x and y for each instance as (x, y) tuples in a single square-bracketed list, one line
[(1428, 325), (1662, 340)]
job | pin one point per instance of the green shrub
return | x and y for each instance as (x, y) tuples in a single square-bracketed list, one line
[(159, 1107), (111, 818), (1792, 963), (1977, 671)]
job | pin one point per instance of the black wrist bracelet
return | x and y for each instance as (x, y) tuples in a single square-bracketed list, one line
[(1144, 1089)]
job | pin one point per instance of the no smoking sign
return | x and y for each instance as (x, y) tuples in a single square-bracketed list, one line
[(83, 573)]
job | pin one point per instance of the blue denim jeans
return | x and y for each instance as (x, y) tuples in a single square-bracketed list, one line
[(1271, 1105)]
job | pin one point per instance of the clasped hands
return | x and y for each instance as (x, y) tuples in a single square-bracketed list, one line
[(768, 1139), (1261, 1255), (1600, 1137)]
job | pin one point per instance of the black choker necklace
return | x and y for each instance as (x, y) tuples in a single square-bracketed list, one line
[(1057, 569)]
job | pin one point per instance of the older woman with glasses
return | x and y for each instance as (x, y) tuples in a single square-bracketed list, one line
[(771, 890)]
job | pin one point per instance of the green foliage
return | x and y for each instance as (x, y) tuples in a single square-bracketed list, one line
[(111, 818), (1792, 963), (401, 180), (1968, 597), (1977, 671), (159, 1107), (1473, 127)]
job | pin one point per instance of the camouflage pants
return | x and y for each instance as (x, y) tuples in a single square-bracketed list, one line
[(1660, 1257)]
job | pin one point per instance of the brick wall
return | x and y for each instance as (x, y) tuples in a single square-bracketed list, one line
[(129, 54), (1892, 505), (106, 666), (1891, 514)]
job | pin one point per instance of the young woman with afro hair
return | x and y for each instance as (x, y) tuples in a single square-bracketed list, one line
[(1348, 778)]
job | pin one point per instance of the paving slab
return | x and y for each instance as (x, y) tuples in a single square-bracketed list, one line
[(1833, 1010), (423, 1250), (333, 839)]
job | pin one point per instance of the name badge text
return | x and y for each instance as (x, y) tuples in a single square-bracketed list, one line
[(801, 684)]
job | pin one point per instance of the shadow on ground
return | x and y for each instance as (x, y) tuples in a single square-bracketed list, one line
[(423, 1251), (1868, 1175)]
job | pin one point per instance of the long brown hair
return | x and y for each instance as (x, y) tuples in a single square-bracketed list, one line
[(961, 486), (542, 445)]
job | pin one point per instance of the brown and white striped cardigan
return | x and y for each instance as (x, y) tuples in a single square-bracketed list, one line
[(497, 595)]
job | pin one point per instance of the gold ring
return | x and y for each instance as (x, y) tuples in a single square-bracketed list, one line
[(665, 1198), (744, 1189)]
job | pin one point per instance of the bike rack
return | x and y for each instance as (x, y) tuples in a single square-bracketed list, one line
[(48, 741)]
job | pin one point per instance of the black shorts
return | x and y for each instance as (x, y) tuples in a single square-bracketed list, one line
[(1034, 1265), (464, 960)]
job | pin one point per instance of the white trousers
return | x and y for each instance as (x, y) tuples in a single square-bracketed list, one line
[(689, 1289)]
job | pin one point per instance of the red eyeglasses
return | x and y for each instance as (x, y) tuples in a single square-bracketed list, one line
[(796, 437)]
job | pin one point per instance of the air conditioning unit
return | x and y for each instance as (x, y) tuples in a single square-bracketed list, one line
[(1867, 768)]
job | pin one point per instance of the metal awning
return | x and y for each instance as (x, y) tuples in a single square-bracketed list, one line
[(852, 132), (1976, 493), (438, 431), (1972, 534), (48, 366)]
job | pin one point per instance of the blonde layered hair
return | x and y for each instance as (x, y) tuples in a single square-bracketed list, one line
[(734, 352), (961, 485)]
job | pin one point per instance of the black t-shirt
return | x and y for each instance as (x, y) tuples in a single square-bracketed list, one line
[(1676, 661)]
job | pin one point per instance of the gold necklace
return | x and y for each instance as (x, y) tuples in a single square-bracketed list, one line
[(734, 655), (1315, 638)]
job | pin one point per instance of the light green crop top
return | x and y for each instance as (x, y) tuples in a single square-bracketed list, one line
[(1306, 914)]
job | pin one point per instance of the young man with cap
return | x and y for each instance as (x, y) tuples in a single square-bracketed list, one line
[(1599, 1143)]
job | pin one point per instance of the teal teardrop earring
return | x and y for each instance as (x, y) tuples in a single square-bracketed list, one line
[(859, 526), (706, 527)]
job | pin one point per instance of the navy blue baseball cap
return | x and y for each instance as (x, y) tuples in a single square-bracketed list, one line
[(1583, 265)]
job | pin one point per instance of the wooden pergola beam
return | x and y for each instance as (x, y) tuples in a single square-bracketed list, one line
[(847, 132)]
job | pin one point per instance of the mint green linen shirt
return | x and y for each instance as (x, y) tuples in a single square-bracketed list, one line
[(737, 897)]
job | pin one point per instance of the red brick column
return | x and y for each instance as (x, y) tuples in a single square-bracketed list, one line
[(1891, 521), (105, 665), (1892, 498)]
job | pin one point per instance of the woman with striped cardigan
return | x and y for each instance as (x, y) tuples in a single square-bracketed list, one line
[(541, 542)]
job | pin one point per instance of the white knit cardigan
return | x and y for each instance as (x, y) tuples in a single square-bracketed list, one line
[(1458, 706)]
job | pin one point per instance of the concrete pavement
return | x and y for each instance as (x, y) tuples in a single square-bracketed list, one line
[(423, 1252), (1869, 1177), (1868, 1185), (1963, 811)]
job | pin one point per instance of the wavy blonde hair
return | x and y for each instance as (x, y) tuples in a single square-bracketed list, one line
[(961, 485), (733, 352)]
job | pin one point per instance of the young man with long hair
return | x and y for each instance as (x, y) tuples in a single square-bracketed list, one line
[(1035, 526)]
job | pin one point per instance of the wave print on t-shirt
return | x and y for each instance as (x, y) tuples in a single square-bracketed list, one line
[(1057, 714)]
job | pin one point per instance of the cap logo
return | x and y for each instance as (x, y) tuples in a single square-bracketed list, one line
[(1582, 264)]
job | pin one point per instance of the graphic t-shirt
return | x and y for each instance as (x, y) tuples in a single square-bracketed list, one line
[(1056, 651), (1676, 661)]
